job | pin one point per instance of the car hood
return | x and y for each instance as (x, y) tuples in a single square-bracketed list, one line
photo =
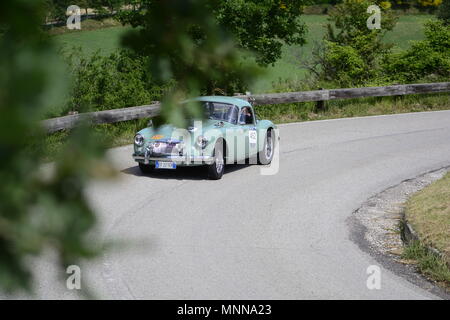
[(166, 132)]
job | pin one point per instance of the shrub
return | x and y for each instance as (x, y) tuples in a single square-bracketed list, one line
[(119, 80), (352, 52), (343, 63), (429, 58)]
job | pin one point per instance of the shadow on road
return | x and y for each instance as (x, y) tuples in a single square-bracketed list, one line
[(182, 173)]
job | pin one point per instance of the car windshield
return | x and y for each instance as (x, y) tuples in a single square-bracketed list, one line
[(221, 111)]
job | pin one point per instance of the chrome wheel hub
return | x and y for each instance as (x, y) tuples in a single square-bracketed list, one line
[(219, 162)]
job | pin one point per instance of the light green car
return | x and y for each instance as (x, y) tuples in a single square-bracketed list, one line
[(230, 134)]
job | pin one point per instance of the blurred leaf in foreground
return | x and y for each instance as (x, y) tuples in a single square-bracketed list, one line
[(39, 209)]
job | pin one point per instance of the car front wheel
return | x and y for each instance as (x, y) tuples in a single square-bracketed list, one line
[(265, 156), (217, 168)]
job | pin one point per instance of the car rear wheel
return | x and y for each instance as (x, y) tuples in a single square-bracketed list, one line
[(145, 168), (265, 156), (217, 168)]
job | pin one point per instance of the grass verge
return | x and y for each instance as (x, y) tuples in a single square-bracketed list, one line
[(428, 212), (429, 263)]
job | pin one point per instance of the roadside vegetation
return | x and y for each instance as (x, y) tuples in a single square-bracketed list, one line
[(429, 263), (104, 41), (428, 212)]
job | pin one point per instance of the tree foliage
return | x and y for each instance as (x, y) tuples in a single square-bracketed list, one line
[(428, 58), (119, 80), (39, 210), (352, 52), (348, 27), (261, 26)]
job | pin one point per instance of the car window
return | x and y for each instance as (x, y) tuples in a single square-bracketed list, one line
[(221, 111)]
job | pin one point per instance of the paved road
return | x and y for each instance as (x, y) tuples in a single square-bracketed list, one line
[(253, 236)]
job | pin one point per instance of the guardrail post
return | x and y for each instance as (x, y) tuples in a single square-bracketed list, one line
[(321, 104)]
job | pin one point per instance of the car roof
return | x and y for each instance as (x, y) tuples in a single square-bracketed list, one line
[(223, 99)]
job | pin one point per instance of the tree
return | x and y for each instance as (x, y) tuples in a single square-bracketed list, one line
[(352, 52), (262, 26), (59, 9), (114, 5), (429, 3), (426, 59), (84, 4), (259, 26), (348, 26)]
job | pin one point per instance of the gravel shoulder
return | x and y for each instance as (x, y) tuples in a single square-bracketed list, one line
[(376, 228)]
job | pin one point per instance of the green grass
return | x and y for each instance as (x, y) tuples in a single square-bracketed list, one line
[(429, 263), (409, 28), (428, 211), (108, 39), (104, 40)]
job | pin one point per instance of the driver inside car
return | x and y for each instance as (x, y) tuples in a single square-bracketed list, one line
[(246, 116)]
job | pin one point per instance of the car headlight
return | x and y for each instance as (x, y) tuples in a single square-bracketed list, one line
[(202, 142), (139, 140)]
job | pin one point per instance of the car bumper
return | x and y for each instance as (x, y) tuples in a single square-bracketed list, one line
[(179, 160)]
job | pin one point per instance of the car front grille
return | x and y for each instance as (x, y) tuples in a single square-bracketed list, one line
[(165, 148)]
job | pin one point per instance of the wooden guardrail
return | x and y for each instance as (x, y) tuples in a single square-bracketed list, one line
[(148, 111)]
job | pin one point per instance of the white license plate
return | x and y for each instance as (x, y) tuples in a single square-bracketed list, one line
[(165, 165)]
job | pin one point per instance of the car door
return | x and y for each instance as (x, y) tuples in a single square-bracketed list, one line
[(248, 131), (234, 137)]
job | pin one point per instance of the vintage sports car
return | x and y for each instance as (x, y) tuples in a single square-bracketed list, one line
[(229, 133)]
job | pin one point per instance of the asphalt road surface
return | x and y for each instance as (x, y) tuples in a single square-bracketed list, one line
[(254, 236)]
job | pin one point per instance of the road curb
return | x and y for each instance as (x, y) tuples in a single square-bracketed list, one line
[(409, 235)]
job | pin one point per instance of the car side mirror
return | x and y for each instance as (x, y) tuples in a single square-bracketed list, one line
[(150, 123)]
